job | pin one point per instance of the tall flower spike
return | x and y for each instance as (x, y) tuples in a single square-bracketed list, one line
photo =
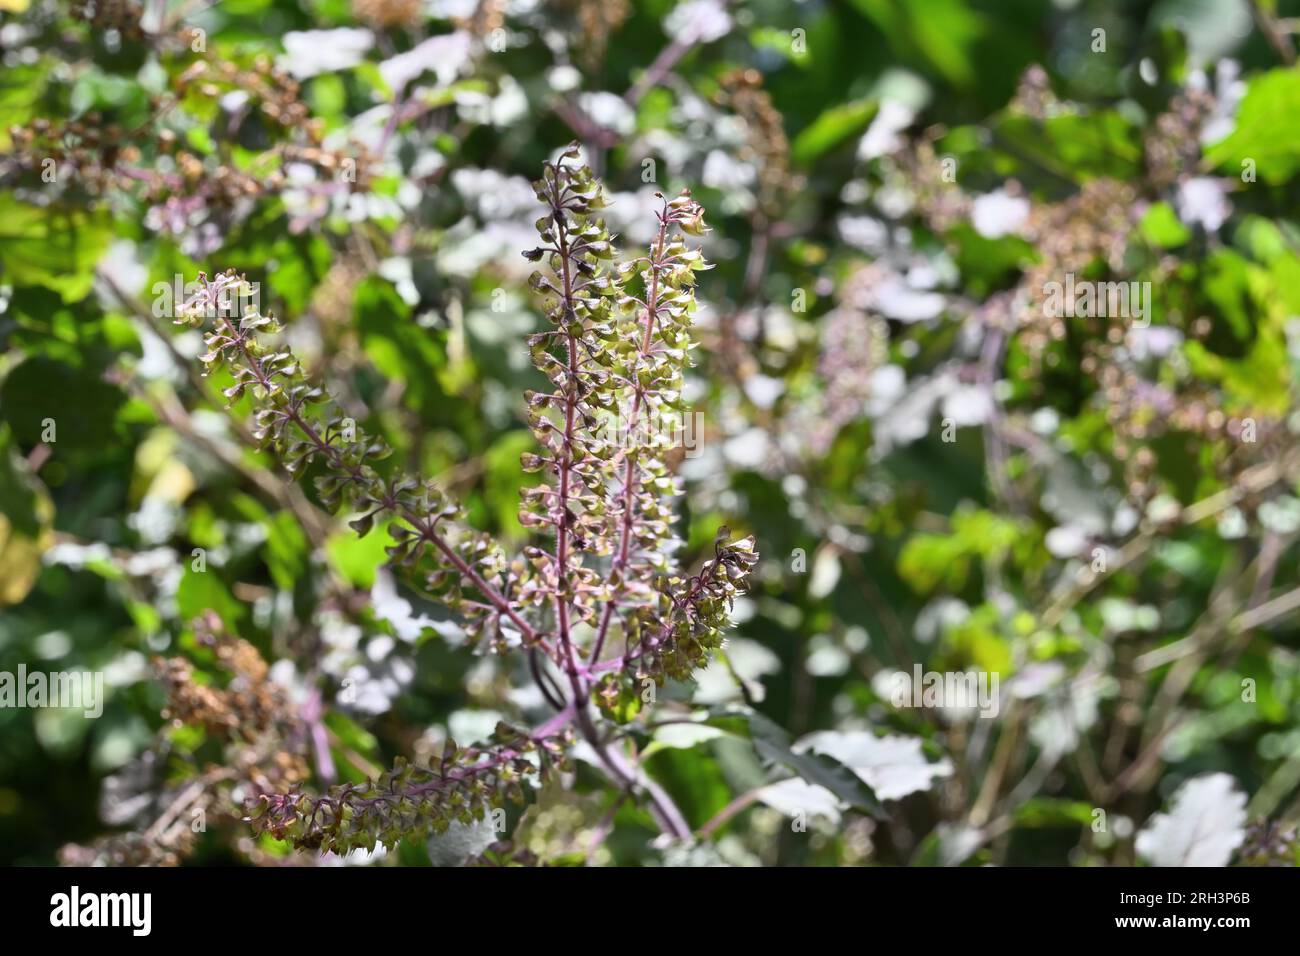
[(597, 591), (616, 355), (300, 424), (409, 801)]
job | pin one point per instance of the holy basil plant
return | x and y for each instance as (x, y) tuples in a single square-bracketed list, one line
[(596, 604)]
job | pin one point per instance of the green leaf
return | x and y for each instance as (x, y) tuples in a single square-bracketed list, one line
[(1265, 130), (42, 393), (942, 34), (773, 744), (832, 128), (25, 516), (357, 558), (505, 476), (1162, 227), (201, 591), (399, 348), (1073, 146), (55, 247), (1053, 812), (354, 743), (288, 554)]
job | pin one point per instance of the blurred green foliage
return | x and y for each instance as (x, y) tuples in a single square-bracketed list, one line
[(938, 472)]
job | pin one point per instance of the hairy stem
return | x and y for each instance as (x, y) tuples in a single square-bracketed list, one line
[(629, 460), (564, 463)]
